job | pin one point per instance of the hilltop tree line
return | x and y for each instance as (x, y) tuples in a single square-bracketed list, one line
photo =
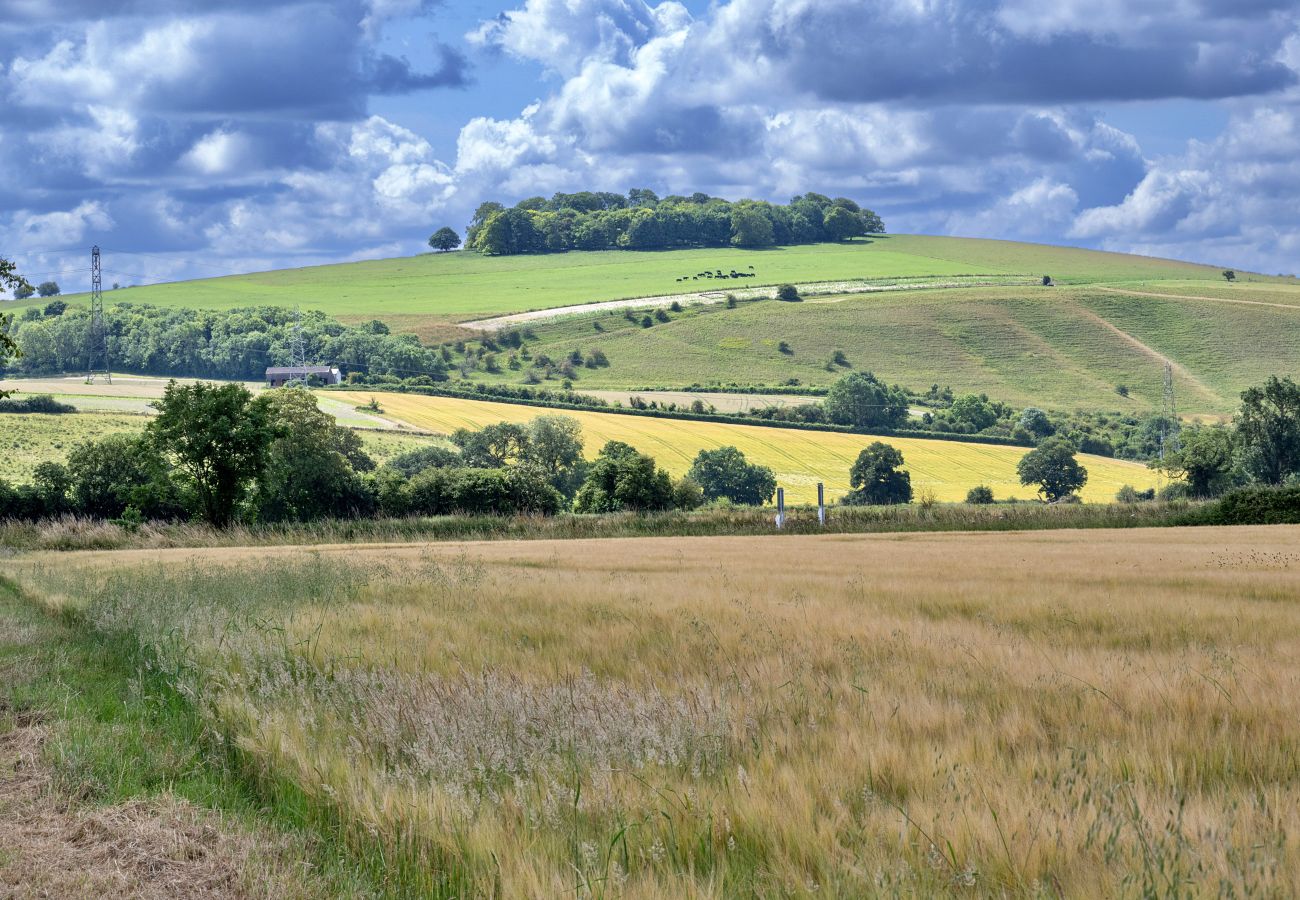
[(234, 344), (641, 220)]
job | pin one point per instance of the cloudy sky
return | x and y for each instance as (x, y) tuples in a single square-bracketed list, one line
[(193, 137)]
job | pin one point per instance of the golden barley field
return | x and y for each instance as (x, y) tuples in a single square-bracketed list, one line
[(798, 458), (1072, 714)]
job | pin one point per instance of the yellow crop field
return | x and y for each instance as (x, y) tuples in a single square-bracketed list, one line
[(1049, 714), (800, 459)]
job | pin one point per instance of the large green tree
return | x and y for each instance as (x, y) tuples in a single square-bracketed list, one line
[(1051, 467), (1206, 458), (878, 479), (312, 466), (9, 280), (726, 474), (842, 224), (554, 449), (218, 438), (120, 471), (1269, 427), (751, 228), (621, 478), (864, 401), (444, 239)]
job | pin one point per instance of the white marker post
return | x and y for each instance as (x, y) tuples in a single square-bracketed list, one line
[(821, 504), (780, 507)]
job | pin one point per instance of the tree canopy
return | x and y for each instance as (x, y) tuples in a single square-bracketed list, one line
[(878, 479), (219, 437), (1269, 425), (642, 220), (444, 239), (864, 401), (1051, 467), (726, 474)]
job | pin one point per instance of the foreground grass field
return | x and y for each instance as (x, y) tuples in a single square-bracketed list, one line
[(467, 285), (1055, 347), (1053, 714), (800, 459)]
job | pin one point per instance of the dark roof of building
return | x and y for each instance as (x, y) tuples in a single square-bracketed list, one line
[(299, 370)]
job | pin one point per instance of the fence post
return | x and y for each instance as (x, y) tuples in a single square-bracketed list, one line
[(780, 507), (821, 504)]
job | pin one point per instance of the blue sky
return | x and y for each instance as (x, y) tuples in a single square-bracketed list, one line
[(191, 137)]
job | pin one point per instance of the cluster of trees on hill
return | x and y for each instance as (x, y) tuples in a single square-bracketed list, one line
[(237, 343), (641, 220)]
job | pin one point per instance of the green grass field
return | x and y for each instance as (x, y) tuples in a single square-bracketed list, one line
[(799, 458), (465, 285), (1062, 347), (29, 439)]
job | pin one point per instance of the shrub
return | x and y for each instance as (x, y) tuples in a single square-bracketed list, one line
[(675, 306), (646, 321), (731, 301), (39, 403), (1258, 505), (662, 316), (1130, 494), (980, 495), (789, 293)]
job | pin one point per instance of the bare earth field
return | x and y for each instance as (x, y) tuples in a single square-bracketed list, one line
[(1015, 715)]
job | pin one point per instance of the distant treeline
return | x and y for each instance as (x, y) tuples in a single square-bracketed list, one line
[(236, 343), (599, 220)]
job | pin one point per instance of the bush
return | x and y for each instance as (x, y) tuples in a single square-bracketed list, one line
[(1257, 506), (731, 301), (675, 306), (661, 316), (981, 495), (789, 293), (40, 403), (646, 321), (1130, 494)]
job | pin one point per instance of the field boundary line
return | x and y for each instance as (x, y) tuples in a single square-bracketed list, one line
[(845, 287), (1115, 290)]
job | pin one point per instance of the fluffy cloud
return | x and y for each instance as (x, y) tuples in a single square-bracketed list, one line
[(244, 127), (968, 116), (1233, 199)]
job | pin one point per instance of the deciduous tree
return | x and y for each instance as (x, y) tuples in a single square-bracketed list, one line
[(218, 437), (1051, 466)]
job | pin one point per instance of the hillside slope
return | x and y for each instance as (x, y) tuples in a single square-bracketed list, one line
[(466, 285), (1059, 347)]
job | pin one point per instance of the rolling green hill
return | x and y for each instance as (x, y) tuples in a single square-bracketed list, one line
[(1112, 320), (1062, 347), (468, 285)]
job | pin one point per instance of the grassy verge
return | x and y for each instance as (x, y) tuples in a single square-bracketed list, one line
[(87, 534), (125, 760)]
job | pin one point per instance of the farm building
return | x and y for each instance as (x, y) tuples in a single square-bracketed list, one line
[(279, 376)]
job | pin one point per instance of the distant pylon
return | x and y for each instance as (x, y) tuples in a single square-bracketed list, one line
[(297, 347), (1169, 425), (97, 335)]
